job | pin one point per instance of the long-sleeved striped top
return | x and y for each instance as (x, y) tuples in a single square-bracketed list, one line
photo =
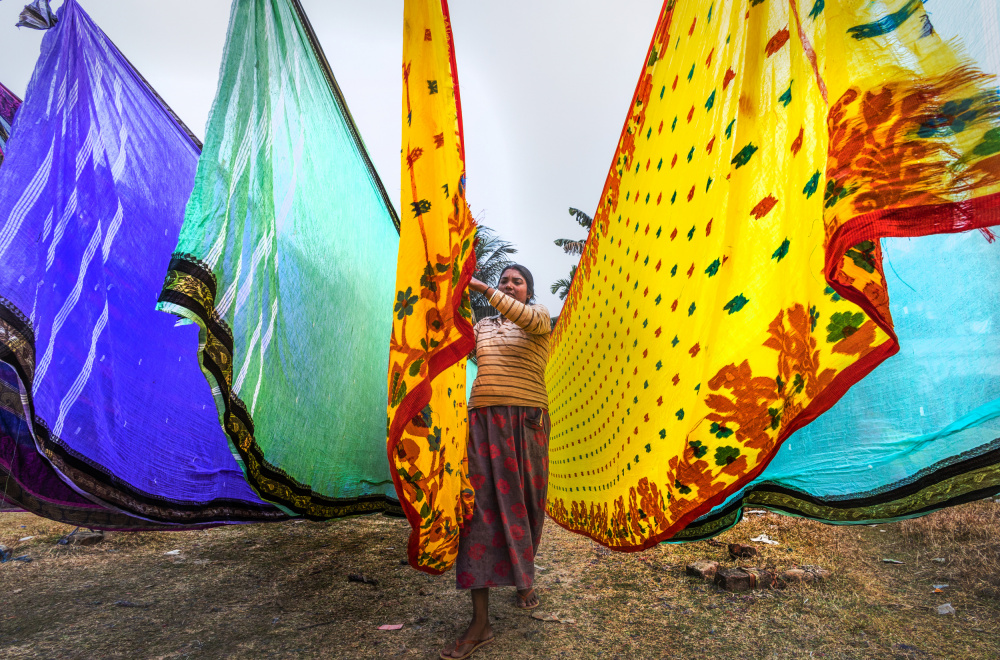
[(512, 350)]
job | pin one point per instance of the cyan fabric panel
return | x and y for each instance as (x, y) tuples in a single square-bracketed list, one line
[(921, 431), (286, 263)]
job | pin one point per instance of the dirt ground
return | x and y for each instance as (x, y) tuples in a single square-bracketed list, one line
[(283, 591)]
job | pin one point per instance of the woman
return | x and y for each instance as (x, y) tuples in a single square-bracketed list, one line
[(508, 453)]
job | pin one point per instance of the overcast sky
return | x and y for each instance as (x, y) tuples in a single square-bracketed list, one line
[(546, 85), (545, 88)]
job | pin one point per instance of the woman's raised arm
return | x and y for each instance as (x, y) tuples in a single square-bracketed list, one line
[(533, 319)]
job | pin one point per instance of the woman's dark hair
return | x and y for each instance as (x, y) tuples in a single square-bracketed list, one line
[(528, 279)]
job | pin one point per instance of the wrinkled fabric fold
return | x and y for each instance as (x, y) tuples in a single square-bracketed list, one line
[(91, 199), (432, 329), (734, 284), (285, 266), (37, 15), (9, 103)]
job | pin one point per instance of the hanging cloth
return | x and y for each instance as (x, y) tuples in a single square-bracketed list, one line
[(284, 263), (37, 15), (28, 480), (432, 329), (733, 287), (91, 201), (9, 103), (922, 431)]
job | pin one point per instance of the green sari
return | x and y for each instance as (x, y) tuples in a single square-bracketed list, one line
[(286, 262)]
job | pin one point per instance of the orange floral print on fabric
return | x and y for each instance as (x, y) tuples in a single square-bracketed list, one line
[(432, 330)]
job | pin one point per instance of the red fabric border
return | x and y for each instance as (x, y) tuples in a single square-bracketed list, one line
[(418, 397), (917, 221), (445, 356), (454, 76)]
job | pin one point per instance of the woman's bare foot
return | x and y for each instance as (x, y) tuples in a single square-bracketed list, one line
[(527, 599), (476, 634)]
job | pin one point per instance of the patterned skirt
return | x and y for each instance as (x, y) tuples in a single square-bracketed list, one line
[(509, 468)]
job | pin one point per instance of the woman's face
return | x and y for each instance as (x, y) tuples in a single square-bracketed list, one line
[(512, 283)]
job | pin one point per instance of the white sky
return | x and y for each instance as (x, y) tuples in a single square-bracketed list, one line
[(546, 85), (545, 88)]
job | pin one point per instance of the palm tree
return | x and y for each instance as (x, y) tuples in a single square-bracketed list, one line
[(571, 246), (561, 287), (492, 257)]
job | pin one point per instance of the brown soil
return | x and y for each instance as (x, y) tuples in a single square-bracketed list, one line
[(283, 591)]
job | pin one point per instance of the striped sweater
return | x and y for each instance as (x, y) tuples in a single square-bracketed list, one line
[(511, 351)]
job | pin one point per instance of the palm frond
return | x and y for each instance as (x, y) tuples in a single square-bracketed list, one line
[(492, 258), (581, 217), (561, 287), (570, 245)]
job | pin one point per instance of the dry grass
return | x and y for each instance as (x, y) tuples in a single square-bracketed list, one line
[(968, 539), (282, 591)]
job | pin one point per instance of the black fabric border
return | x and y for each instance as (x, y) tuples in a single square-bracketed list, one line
[(10, 314), (933, 478), (105, 518), (234, 406), (240, 511)]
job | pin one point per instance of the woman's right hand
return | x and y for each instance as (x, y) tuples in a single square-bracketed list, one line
[(477, 285)]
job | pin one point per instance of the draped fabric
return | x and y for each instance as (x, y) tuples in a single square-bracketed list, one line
[(933, 438), (284, 263), (29, 482), (923, 430), (42, 491), (91, 200), (37, 15), (9, 103), (734, 284), (432, 330)]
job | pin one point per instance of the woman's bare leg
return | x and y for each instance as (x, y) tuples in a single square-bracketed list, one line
[(478, 630)]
